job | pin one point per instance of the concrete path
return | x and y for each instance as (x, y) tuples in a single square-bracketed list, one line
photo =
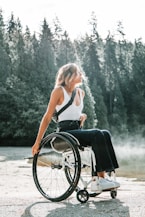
[(20, 198)]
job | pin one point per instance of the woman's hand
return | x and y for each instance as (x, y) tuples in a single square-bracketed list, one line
[(83, 117), (35, 149)]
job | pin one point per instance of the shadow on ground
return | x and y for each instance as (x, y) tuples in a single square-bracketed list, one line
[(103, 208)]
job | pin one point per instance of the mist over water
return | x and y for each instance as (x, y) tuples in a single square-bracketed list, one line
[(130, 153)]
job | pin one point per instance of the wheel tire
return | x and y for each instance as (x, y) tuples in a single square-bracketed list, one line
[(82, 196), (113, 194), (56, 188)]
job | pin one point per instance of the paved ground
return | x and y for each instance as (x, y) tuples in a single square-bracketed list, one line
[(20, 198)]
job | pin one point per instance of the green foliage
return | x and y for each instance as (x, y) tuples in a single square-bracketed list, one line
[(21, 109), (114, 86)]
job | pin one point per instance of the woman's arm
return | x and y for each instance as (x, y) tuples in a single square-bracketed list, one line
[(55, 99), (83, 116), (82, 119)]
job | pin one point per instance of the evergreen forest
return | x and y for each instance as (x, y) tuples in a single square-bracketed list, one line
[(114, 84)]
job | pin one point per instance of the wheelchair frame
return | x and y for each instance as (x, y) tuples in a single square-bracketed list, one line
[(59, 168)]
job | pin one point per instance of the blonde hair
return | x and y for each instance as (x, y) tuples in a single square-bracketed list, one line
[(66, 74)]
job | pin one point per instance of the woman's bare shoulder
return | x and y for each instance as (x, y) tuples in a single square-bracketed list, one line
[(57, 95), (57, 91)]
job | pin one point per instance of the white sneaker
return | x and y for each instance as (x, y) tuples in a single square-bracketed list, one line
[(106, 184), (117, 184)]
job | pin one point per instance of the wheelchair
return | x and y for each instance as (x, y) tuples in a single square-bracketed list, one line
[(62, 166)]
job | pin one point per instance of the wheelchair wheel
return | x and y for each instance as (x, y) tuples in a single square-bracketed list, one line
[(68, 170), (52, 162), (113, 193), (82, 196)]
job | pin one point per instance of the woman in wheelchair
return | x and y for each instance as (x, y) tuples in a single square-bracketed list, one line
[(72, 119)]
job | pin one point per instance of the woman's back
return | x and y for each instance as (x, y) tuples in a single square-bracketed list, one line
[(73, 112)]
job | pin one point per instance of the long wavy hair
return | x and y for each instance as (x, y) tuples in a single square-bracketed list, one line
[(66, 74)]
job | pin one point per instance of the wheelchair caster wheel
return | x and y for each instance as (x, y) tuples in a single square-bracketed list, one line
[(113, 193), (82, 196)]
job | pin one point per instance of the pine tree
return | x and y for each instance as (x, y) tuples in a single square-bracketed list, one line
[(137, 110)]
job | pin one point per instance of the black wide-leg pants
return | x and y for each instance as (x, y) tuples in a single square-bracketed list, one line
[(100, 141)]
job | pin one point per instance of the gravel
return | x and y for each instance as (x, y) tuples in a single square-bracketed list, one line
[(20, 198)]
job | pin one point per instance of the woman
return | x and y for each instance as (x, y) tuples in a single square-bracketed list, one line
[(72, 119)]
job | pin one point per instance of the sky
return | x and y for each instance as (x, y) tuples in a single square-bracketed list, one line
[(74, 15)]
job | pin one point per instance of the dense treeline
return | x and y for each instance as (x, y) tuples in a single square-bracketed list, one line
[(115, 84)]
